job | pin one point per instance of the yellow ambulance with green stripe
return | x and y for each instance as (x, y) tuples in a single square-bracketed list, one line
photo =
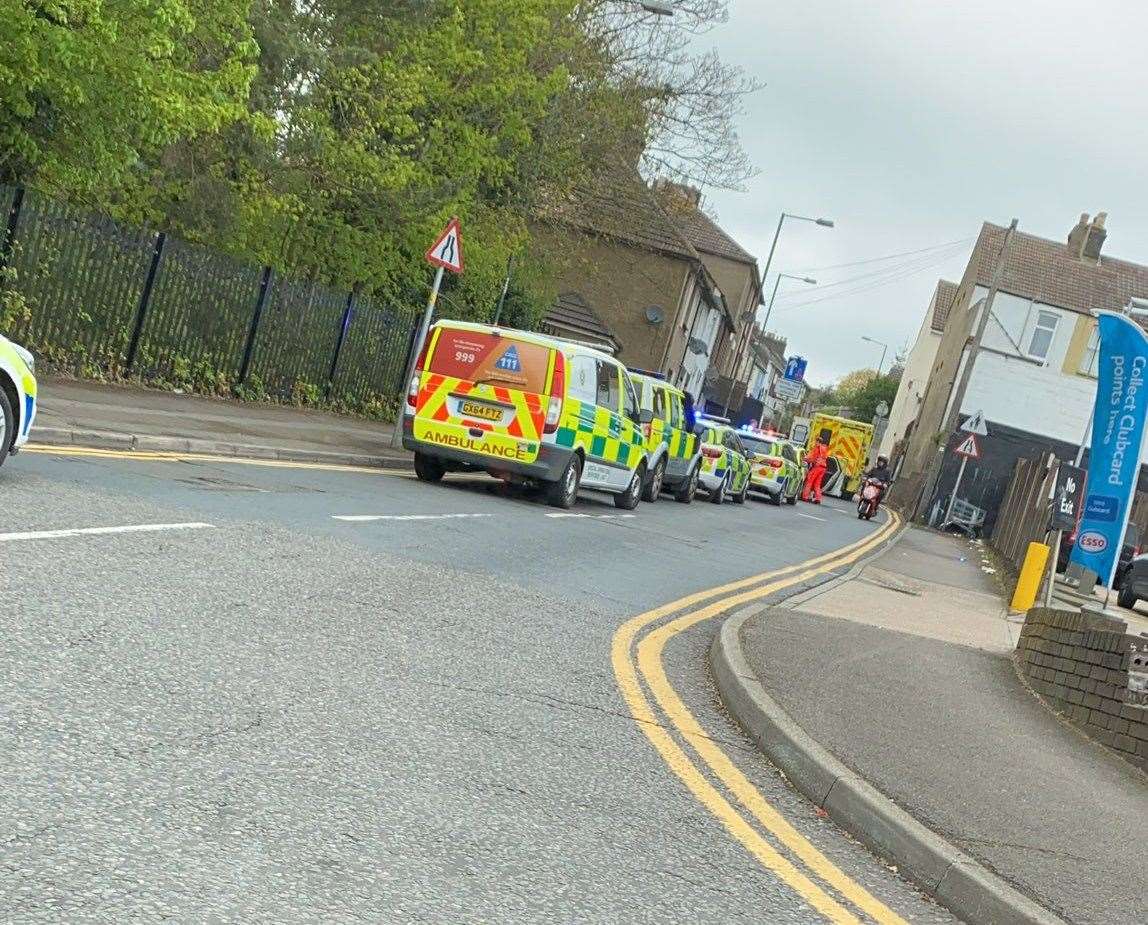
[(675, 455), (525, 408), (17, 396)]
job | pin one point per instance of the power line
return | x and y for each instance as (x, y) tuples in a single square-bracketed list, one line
[(929, 260), (857, 263)]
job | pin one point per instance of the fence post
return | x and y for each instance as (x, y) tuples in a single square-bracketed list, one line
[(260, 302), (9, 239), (145, 300), (346, 323)]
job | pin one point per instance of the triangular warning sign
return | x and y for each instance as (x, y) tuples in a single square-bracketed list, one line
[(509, 360), (968, 447), (975, 424), (446, 252)]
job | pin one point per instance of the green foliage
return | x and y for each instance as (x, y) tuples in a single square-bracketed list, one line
[(859, 393), (89, 89)]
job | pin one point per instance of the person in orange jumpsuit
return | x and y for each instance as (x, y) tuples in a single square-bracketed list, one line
[(817, 459)]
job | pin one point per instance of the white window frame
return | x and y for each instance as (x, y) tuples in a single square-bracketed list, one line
[(1091, 358), (1037, 327)]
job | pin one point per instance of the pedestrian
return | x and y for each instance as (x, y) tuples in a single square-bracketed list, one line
[(817, 459)]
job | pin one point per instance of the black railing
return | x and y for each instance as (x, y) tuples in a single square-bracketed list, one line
[(99, 297)]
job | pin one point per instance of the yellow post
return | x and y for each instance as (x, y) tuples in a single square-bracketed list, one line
[(1031, 573)]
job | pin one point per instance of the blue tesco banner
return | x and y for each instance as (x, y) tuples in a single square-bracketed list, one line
[(1117, 444)]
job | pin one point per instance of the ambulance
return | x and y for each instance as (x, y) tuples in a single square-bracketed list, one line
[(527, 409), (849, 443), (17, 396), (675, 455)]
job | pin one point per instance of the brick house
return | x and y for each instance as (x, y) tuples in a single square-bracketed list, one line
[(629, 280), (1035, 375)]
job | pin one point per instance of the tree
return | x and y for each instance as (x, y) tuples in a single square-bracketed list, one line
[(90, 89)]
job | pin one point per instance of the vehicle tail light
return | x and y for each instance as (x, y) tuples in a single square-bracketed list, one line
[(557, 390), (646, 430), (413, 385), (773, 463), (711, 452)]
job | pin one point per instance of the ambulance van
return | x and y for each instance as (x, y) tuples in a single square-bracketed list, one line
[(525, 408), (675, 455), (17, 396)]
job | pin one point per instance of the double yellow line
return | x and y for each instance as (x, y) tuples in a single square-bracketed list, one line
[(637, 660)]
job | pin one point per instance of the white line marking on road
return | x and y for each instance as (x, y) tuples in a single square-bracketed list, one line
[(589, 516), (97, 531), (810, 516), (363, 518)]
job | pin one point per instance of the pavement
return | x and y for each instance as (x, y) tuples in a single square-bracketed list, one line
[(117, 416), (246, 691), (902, 673)]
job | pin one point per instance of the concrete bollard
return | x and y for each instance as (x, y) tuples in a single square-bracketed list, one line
[(1031, 574)]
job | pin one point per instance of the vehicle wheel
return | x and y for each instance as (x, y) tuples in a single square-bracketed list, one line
[(564, 492), (689, 487), (428, 469), (628, 500), (739, 498), (717, 496), (792, 499), (1126, 598), (776, 499), (653, 487), (7, 426)]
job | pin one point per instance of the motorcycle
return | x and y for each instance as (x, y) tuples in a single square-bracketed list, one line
[(869, 499)]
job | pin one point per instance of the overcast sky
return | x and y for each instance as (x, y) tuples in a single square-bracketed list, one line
[(909, 122)]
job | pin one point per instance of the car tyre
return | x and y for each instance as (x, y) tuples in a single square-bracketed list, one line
[(428, 469), (564, 492), (1126, 597), (628, 500), (7, 426), (717, 496), (739, 498), (776, 499), (792, 499), (689, 487), (653, 486)]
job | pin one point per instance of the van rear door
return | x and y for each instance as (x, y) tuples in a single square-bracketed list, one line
[(485, 393)]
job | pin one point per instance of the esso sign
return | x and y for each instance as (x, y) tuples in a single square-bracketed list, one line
[(1091, 541)]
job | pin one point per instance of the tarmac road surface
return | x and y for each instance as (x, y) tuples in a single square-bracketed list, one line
[(287, 693)]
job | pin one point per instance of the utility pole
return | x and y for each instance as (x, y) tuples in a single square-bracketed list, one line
[(949, 424)]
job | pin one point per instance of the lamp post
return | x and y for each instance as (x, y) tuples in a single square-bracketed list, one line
[(884, 350), (824, 223), (776, 283)]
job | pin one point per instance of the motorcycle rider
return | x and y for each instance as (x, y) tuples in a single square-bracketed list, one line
[(881, 474)]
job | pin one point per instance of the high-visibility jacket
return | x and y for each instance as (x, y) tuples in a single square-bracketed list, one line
[(818, 456)]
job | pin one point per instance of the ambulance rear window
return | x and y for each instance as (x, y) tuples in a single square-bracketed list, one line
[(481, 357)]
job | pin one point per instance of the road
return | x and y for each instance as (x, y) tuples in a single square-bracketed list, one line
[(335, 695)]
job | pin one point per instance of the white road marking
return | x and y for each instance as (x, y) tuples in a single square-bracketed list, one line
[(590, 516), (363, 518), (97, 531), (810, 516)]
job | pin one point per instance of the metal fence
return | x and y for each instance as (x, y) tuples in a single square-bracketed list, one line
[(103, 298)]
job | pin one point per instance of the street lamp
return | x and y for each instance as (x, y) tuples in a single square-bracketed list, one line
[(884, 349), (776, 283), (824, 223)]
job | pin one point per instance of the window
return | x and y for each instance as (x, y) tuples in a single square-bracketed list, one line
[(608, 393), (1088, 363), (631, 399), (1041, 341), (659, 408), (583, 379), (675, 410)]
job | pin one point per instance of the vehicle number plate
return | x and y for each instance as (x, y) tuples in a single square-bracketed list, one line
[(473, 409)]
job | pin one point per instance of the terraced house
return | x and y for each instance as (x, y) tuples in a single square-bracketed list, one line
[(1035, 374)]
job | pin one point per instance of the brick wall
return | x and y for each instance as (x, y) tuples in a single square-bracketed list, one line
[(1078, 663)]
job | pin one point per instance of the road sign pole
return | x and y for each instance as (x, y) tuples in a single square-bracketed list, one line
[(416, 349), (956, 488)]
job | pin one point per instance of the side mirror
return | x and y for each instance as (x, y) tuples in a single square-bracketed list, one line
[(645, 416)]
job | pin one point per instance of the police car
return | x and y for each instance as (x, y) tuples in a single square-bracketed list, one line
[(17, 396), (725, 462), (775, 467)]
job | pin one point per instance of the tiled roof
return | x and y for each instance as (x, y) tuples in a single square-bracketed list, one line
[(946, 292), (621, 206), (706, 236), (1044, 270), (572, 318)]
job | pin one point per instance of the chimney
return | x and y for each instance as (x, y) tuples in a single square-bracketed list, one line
[(678, 194), (1086, 239), (1095, 240)]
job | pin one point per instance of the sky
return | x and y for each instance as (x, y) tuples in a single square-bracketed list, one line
[(911, 122)]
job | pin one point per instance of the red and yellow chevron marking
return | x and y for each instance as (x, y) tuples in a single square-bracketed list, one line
[(436, 389)]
